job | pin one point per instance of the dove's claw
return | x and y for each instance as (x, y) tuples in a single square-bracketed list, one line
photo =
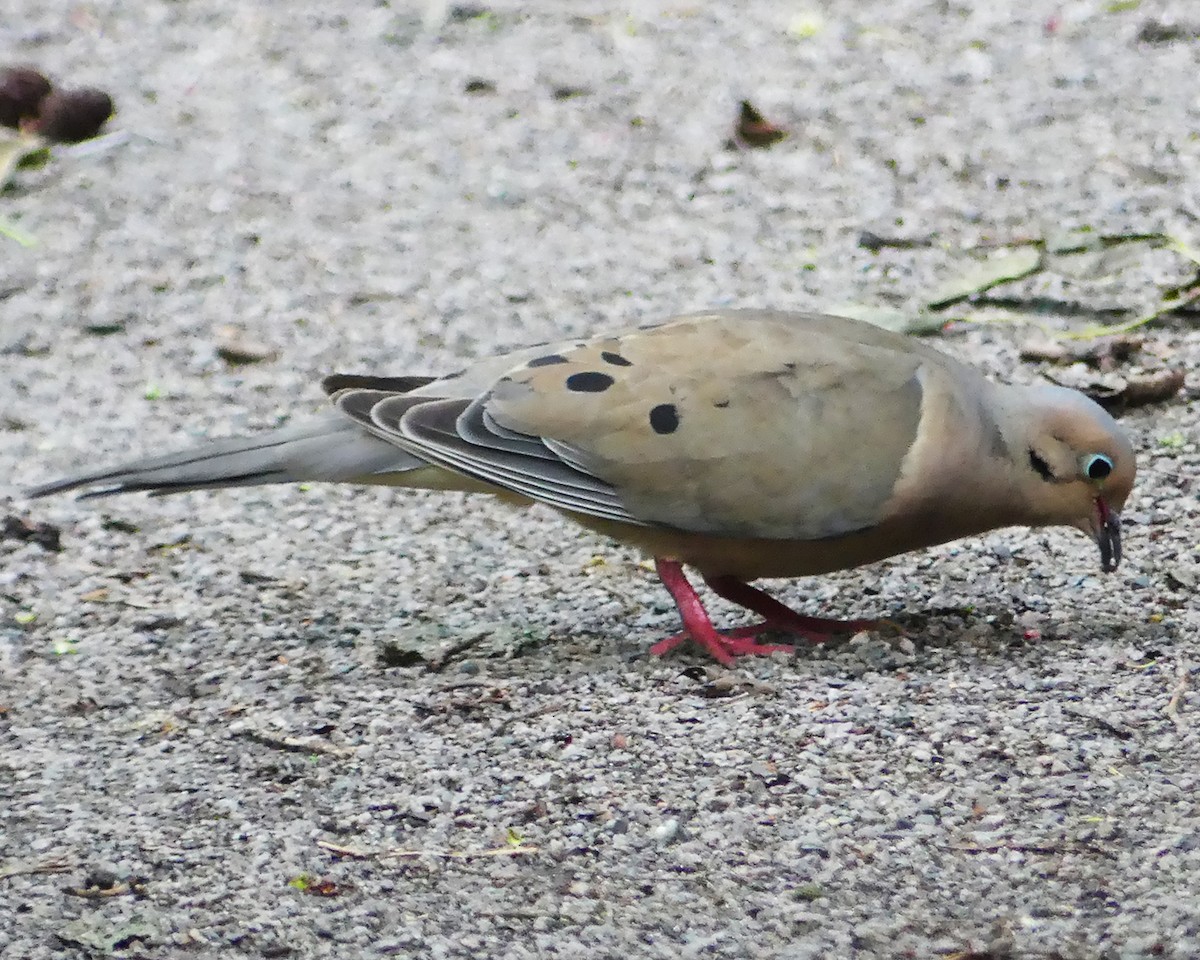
[(739, 642)]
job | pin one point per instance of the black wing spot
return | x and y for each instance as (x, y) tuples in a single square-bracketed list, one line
[(665, 418), (615, 359), (1039, 465), (590, 381), (546, 361)]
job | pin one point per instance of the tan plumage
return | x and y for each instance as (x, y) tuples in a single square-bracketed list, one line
[(743, 443)]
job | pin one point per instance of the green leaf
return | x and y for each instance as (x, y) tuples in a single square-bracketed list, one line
[(301, 882), (11, 152), (13, 232), (34, 159), (1167, 306), (983, 275), (1082, 254)]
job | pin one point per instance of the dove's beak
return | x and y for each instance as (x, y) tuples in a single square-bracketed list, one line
[(1104, 526)]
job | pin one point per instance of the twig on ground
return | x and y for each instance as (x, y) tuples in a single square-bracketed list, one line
[(28, 869), (1172, 709), (1116, 729), (399, 854), (295, 744)]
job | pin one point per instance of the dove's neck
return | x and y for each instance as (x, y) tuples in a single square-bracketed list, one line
[(963, 472)]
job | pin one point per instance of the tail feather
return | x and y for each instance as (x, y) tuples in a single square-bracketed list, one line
[(330, 449)]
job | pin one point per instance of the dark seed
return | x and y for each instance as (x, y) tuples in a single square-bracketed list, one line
[(71, 116), (22, 89)]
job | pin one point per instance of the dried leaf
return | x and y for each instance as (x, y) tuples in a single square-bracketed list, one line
[(1104, 353), (1046, 351), (234, 347), (1153, 387), (1122, 392), (45, 535), (755, 130), (870, 240)]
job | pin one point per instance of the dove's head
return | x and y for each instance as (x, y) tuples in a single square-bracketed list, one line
[(1075, 465)]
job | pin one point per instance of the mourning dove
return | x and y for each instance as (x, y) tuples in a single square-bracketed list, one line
[(744, 444)]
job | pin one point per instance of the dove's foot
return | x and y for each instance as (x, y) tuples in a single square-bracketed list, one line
[(740, 642), (777, 616), (724, 645)]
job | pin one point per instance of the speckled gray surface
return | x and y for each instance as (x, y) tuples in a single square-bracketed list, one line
[(194, 691)]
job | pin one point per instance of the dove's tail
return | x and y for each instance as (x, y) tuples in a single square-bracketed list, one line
[(330, 449)]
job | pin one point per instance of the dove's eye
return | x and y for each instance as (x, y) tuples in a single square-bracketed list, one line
[(1096, 466)]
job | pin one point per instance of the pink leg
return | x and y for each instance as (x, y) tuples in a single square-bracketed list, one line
[(777, 616), (697, 626)]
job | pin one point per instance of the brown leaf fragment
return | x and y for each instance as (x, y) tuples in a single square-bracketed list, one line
[(1153, 387), (567, 91), (1046, 351), (1115, 392), (755, 130), (870, 240), (45, 535), (237, 349), (1102, 354)]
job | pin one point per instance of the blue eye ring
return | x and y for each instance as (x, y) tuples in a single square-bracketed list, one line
[(1097, 466)]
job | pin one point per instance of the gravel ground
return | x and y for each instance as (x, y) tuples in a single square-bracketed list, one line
[(354, 723)]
